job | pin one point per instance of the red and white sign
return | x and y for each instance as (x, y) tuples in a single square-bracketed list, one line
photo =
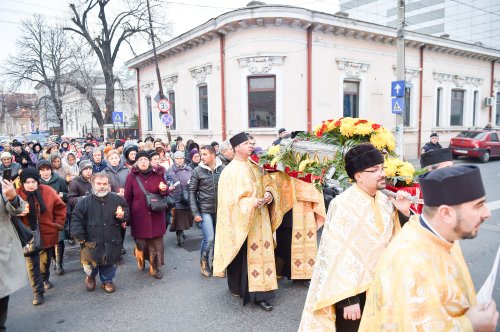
[(164, 105)]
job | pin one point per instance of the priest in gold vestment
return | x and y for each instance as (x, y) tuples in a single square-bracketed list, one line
[(360, 223), (300, 212), (420, 283), (243, 238)]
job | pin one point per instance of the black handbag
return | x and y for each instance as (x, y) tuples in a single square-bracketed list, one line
[(155, 202), (24, 233), (35, 243), (185, 196)]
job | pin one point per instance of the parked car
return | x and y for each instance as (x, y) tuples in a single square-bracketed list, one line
[(480, 144)]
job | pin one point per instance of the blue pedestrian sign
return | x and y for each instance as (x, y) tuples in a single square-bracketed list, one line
[(167, 119), (398, 105), (397, 88), (117, 117)]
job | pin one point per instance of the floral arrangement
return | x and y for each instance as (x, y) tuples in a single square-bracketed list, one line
[(341, 134), (399, 173)]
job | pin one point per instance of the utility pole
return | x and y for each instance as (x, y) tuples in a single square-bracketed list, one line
[(400, 73), (158, 76)]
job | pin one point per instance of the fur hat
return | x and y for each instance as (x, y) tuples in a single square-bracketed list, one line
[(361, 157), (43, 163), (142, 153), (84, 164), (29, 173)]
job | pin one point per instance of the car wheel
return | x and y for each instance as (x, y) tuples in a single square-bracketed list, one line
[(485, 157), (454, 156)]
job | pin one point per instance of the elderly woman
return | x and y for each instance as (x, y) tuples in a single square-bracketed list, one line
[(147, 226), (182, 219), (195, 158), (117, 172)]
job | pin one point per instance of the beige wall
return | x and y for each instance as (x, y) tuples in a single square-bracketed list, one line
[(327, 82)]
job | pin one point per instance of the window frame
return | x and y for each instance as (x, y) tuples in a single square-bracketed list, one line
[(149, 113), (463, 107), (357, 110), (248, 99), (199, 98)]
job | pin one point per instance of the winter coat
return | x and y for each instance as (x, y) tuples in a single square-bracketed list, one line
[(94, 221), (98, 168), (145, 223), (117, 176), (15, 169), (224, 160), (203, 188), (58, 184), (78, 187), (12, 265), (23, 155), (55, 214), (182, 175)]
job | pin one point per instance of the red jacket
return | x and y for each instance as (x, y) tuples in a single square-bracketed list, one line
[(55, 213), (145, 223)]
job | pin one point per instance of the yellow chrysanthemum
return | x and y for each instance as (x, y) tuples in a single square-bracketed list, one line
[(363, 129), (331, 126), (303, 164), (273, 150), (378, 141)]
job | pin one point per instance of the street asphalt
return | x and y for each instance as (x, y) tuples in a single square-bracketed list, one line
[(184, 300)]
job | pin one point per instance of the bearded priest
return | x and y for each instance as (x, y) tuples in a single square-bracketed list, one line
[(360, 223), (419, 284), (243, 237)]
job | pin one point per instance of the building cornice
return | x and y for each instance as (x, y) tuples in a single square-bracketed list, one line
[(272, 16), (458, 79), (261, 64)]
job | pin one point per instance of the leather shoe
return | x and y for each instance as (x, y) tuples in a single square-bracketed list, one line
[(90, 283), (109, 287), (265, 305), (155, 273), (47, 284), (38, 299)]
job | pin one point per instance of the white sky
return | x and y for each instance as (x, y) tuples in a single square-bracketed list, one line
[(184, 14)]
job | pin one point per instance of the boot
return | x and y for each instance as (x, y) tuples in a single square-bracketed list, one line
[(38, 299), (204, 267), (155, 272), (139, 255), (180, 239), (59, 258)]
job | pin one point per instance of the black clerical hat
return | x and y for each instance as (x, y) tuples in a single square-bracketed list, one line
[(238, 139), (435, 157), (361, 157), (451, 185)]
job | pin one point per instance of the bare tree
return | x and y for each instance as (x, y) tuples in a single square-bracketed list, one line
[(42, 59), (111, 34)]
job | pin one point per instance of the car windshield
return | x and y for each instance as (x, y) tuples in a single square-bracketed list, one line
[(473, 134)]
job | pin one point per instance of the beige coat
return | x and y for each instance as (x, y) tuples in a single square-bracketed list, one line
[(12, 266)]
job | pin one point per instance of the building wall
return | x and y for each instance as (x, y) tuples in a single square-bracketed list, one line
[(334, 58)]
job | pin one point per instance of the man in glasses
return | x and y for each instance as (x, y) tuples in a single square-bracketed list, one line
[(360, 223)]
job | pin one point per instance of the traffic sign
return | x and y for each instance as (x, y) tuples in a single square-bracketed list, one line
[(117, 117), (167, 119), (157, 97), (398, 105), (397, 88), (164, 105)]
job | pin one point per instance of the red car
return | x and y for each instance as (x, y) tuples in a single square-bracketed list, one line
[(480, 144)]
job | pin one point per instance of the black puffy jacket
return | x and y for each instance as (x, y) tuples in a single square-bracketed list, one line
[(94, 221), (203, 188)]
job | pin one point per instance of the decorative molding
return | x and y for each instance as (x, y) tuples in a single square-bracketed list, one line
[(200, 73), (261, 64), (353, 69), (458, 80), (410, 73), (146, 89), (496, 84), (168, 82)]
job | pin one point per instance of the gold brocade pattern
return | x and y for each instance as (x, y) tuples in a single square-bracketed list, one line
[(308, 215), (351, 244), (240, 183), (421, 284)]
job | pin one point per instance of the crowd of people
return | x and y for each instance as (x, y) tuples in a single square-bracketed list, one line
[(257, 227)]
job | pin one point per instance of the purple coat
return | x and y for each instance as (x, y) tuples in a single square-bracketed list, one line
[(145, 223)]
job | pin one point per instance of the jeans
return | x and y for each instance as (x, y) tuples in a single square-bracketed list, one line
[(106, 272), (208, 228), (38, 266)]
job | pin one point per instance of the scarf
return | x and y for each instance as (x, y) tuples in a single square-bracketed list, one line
[(32, 215)]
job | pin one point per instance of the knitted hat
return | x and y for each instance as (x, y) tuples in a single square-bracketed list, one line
[(142, 153), (193, 152), (43, 163), (118, 143), (5, 154), (179, 154), (361, 157), (29, 173), (84, 164)]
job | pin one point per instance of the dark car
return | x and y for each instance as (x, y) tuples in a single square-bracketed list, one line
[(480, 144)]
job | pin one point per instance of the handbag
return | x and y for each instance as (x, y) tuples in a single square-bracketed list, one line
[(155, 202), (185, 196), (35, 243)]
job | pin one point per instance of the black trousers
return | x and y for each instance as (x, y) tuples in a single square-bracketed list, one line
[(38, 267), (4, 304), (237, 279), (283, 251), (347, 325)]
